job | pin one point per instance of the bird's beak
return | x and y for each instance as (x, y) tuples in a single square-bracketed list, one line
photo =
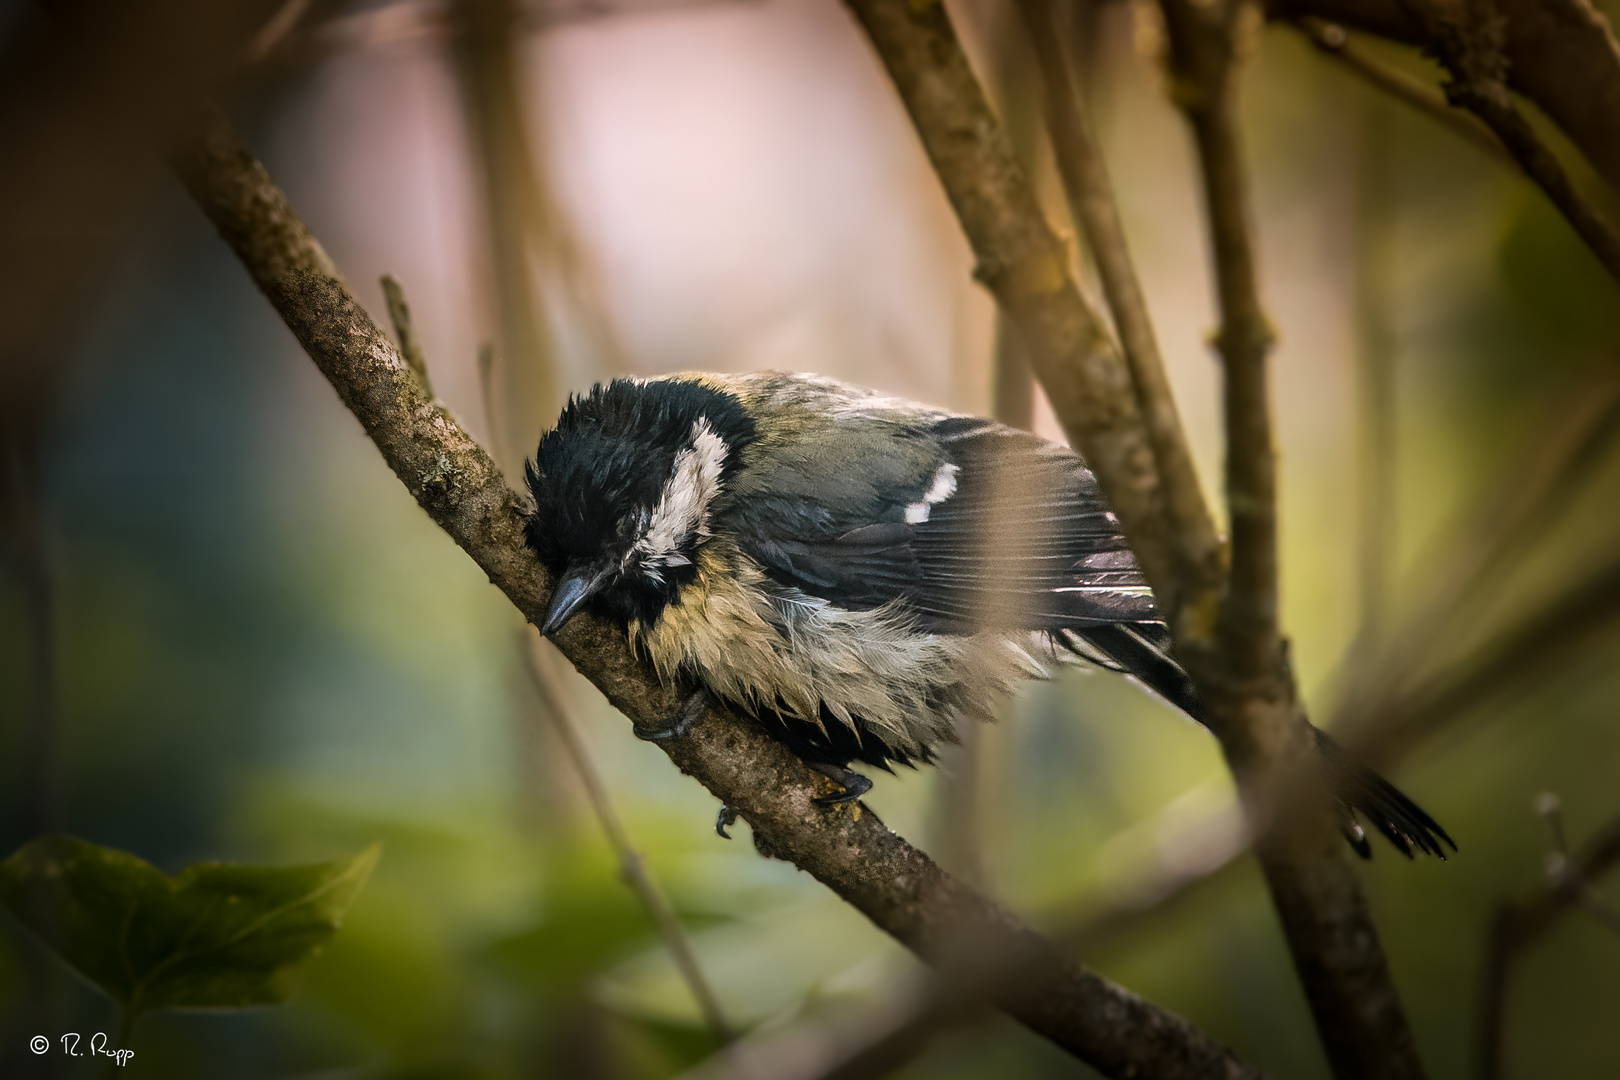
[(578, 584)]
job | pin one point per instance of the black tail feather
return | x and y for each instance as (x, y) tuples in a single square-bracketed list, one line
[(1360, 790), (1142, 650)]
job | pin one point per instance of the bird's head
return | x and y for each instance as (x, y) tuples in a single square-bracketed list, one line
[(623, 488)]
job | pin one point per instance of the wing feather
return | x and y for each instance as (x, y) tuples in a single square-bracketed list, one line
[(1000, 528)]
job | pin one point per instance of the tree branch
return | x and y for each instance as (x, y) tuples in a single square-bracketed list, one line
[(1469, 44), (1249, 691), (1091, 202), (1026, 267), (399, 313), (460, 487), (1331, 40), (1561, 54), (1518, 925)]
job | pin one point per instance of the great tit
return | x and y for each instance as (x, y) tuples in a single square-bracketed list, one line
[(858, 572)]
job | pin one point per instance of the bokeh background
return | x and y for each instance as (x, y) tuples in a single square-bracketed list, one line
[(260, 650)]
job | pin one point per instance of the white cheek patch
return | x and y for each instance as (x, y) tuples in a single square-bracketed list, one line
[(683, 508), (943, 487)]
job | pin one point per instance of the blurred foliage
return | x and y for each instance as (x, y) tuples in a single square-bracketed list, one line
[(217, 936)]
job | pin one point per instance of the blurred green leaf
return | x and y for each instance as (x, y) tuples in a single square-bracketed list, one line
[(592, 920), (217, 936)]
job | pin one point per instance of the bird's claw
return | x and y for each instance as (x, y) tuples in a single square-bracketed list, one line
[(693, 707), (727, 816), (854, 784)]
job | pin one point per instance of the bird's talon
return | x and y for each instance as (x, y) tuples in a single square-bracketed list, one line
[(693, 707), (854, 784), (727, 816)]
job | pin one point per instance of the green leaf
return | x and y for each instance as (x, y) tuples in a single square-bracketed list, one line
[(217, 936)]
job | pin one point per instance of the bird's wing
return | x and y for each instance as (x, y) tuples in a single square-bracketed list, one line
[(993, 528)]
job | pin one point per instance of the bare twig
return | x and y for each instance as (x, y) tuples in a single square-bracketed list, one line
[(410, 346), (1250, 692), (1091, 202), (1470, 45), (488, 64), (1331, 40), (1571, 884), (631, 864), (1561, 54), (1244, 685), (460, 487)]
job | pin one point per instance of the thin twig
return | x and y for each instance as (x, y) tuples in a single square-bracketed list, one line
[(1333, 41), (410, 346), (631, 864), (1250, 692), (1091, 202), (849, 849), (1468, 42), (489, 68), (1519, 924)]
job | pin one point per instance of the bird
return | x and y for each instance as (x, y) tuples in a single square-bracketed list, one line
[(857, 572)]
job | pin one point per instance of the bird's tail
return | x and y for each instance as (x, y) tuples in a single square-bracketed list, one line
[(1142, 650)]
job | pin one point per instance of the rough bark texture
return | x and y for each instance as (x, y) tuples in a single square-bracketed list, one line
[(1026, 266), (1246, 684), (1561, 54), (1235, 653), (848, 849), (1470, 47), (1090, 194)]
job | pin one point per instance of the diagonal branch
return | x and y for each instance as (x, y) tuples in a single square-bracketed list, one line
[(1025, 266), (1561, 54), (1519, 924), (1091, 202), (1331, 40), (1250, 691), (852, 852), (1470, 45)]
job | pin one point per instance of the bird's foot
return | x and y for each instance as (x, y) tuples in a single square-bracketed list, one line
[(727, 816), (854, 784), (693, 707)]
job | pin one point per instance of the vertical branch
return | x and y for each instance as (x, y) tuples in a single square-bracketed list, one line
[(1203, 44), (631, 865), (410, 346), (1012, 388), (1091, 202), (486, 52), (1250, 692), (1026, 267)]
